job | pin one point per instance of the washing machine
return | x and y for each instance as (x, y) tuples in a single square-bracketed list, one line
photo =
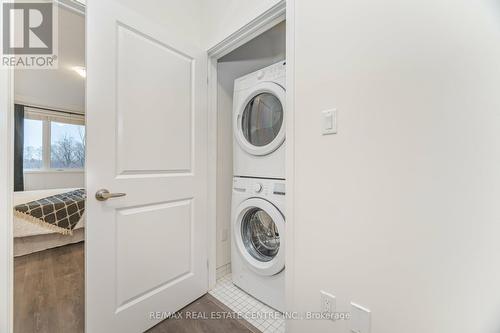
[(259, 123), (258, 237)]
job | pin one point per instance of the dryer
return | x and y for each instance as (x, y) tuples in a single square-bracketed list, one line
[(257, 242), (259, 123)]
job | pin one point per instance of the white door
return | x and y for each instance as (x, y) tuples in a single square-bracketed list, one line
[(146, 137)]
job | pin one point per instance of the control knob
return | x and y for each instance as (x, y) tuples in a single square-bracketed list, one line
[(257, 187)]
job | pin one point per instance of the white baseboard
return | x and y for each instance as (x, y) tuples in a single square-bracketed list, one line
[(223, 270)]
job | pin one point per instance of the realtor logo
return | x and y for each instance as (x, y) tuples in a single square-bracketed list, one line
[(29, 36)]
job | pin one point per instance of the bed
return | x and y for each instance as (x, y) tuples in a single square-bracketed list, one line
[(30, 237)]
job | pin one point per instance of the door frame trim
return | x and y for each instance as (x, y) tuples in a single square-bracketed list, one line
[(290, 163), (6, 190), (266, 20), (7, 101)]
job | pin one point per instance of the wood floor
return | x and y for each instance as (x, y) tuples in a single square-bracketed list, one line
[(49, 298), (203, 307), (49, 291)]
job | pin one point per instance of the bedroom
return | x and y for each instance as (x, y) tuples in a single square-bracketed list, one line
[(49, 155)]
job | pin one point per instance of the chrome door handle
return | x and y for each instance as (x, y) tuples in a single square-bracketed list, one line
[(103, 195)]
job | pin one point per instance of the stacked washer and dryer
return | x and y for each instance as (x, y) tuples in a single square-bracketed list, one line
[(258, 197)]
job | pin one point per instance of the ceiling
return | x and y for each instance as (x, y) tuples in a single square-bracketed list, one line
[(61, 88)]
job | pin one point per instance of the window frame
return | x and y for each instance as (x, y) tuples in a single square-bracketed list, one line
[(47, 117)]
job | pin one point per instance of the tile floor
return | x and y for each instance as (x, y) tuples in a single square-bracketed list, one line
[(256, 313)]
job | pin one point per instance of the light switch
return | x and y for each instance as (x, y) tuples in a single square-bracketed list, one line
[(329, 121), (360, 319)]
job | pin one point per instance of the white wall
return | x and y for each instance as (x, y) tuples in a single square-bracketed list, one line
[(44, 180), (61, 88), (180, 16), (260, 52), (224, 17), (399, 211)]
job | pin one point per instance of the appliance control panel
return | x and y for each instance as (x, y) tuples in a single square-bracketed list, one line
[(259, 186), (270, 73)]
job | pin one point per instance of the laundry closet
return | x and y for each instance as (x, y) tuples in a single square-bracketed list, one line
[(251, 170)]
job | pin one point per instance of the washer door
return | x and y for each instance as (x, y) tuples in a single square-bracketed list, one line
[(259, 123), (259, 231)]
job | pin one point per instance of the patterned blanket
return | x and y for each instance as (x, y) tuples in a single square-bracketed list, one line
[(60, 212)]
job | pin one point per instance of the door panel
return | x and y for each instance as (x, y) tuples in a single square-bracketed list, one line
[(146, 137), (156, 224), (162, 77)]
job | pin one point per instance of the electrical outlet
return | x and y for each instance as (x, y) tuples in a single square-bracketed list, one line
[(328, 303)]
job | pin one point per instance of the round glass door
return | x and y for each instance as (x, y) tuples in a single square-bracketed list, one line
[(260, 235), (262, 119), (259, 124)]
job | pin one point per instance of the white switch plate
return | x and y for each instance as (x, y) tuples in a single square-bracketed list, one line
[(329, 119), (360, 319), (328, 303)]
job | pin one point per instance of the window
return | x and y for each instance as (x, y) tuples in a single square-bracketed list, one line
[(53, 140), (67, 145), (33, 142)]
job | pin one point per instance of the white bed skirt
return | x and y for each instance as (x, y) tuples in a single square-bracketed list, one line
[(31, 244)]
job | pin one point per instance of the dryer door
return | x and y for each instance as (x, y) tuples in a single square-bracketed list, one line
[(260, 118), (259, 231)]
